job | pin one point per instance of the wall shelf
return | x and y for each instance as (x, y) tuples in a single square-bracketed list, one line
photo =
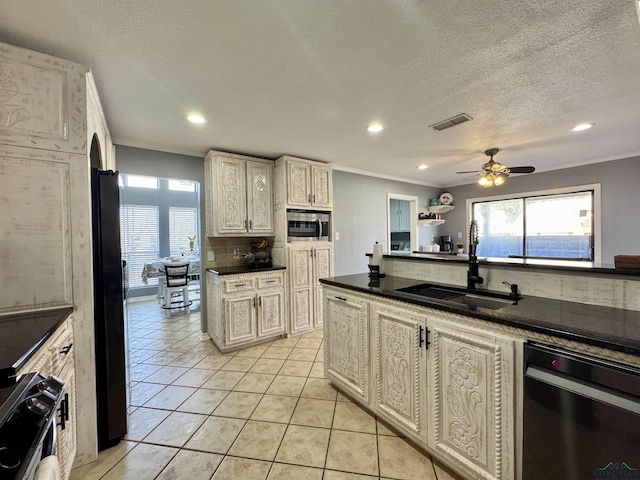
[(441, 208), (427, 222)]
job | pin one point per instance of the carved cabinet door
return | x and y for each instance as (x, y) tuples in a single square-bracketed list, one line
[(260, 197), (231, 211), (302, 285), (298, 184), (240, 314), (400, 363), (271, 313), (321, 195), (322, 268), (471, 399), (346, 330)]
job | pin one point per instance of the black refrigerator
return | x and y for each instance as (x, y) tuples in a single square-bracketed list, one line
[(110, 330)]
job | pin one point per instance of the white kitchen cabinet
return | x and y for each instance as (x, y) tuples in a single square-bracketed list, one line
[(56, 357), (308, 184), (346, 343), (400, 216), (238, 195), (399, 361), (447, 386), (52, 130), (245, 309), (308, 262), (471, 399)]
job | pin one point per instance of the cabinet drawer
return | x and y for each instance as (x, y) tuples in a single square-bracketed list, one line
[(270, 281), (238, 285)]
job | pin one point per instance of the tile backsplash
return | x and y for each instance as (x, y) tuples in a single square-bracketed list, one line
[(223, 247)]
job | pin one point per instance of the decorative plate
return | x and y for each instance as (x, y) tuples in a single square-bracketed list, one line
[(446, 198)]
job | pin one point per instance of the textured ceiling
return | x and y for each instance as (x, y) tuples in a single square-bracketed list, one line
[(305, 77)]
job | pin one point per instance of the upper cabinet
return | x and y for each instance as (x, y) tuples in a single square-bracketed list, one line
[(400, 215), (42, 101), (238, 195), (308, 184)]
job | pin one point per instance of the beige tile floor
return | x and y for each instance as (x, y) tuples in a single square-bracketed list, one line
[(265, 412)]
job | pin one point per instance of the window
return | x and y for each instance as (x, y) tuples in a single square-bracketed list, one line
[(139, 238), (183, 226), (553, 225), (159, 216), (142, 182), (182, 185)]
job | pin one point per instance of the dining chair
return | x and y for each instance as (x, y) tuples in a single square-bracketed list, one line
[(177, 286)]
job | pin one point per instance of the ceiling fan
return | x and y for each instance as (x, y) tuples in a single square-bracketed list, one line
[(494, 173)]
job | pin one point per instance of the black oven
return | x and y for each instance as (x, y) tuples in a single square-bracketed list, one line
[(307, 225), (28, 424)]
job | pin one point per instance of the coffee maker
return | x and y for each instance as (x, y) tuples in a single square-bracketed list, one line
[(446, 245)]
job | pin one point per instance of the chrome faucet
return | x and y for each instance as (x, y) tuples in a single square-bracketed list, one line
[(473, 274)]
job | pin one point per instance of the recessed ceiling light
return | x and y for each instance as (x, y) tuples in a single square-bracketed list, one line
[(375, 128), (422, 167), (582, 126), (196, 118)]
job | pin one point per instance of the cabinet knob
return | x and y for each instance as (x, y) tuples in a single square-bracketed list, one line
[(67, 349)]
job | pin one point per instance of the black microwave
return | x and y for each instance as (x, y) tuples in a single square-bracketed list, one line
[(307, 225)]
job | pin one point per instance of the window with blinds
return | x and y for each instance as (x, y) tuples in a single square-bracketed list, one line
[(139, 230), (183, 223)]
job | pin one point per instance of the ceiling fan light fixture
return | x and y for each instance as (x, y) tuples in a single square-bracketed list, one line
[(582, 127), (491, 179)]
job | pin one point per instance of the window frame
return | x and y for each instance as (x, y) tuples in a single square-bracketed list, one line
[(596, 223)]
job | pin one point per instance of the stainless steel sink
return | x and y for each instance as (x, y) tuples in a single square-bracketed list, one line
[(490, 300)]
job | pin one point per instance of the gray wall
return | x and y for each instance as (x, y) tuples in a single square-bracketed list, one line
[(620, 189), (360, 216)]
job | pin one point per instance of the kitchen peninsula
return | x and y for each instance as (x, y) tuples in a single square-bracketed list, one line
[(449, 375)]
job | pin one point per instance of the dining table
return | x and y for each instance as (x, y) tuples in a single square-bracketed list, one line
[(154, 268)]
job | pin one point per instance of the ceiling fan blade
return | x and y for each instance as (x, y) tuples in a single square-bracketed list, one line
[(521, 169), (471, 171)]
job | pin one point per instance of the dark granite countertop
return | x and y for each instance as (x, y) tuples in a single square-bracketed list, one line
[(612, 328), (22, 334), (236, 269), (527, 263)]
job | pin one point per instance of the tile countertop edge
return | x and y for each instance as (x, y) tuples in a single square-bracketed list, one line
[(236, 270), (520, 263), (10, 366), (509, 316)]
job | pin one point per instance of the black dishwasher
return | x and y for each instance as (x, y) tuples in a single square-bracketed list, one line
[(581, 417)]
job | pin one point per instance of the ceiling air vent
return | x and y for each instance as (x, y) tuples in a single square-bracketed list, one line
[(451, 122)]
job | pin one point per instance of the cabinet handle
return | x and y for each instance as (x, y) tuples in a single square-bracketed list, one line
[(254, 302), (64, 412), (67, 349), (420, 336), (250, 224), (314, 198), (341, 298), (241, 285), (426, 338), (271, 281), (260, 301), (245, 224), (309, 198)]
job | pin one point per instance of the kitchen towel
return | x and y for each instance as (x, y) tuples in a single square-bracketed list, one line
[(48, 469), (376, 258)]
